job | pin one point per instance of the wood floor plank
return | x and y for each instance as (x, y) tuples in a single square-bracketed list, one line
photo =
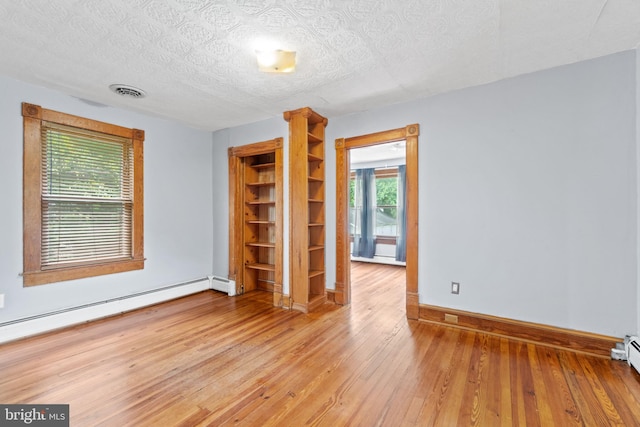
[(504, 385), (583, 396), (562, 408), (523, 394), (496, 379), (435, 367), (213, 360), (605, 402), (444, 406)]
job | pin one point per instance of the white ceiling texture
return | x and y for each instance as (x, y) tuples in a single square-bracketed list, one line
[(195, 59)]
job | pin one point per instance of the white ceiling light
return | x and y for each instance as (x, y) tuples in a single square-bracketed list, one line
[(276, 61)]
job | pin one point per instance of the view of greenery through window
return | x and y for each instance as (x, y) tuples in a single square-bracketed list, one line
[(386, 206), (386, 211), (83, 204), (86, 197)]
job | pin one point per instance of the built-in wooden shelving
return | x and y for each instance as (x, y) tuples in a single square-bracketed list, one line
[(255, 243), (307, 209)]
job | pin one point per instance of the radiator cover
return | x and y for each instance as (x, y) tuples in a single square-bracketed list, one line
[(21, 328), (223, 285), (633, 353)]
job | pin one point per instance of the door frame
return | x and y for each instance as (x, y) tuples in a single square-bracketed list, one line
[(343, 146)]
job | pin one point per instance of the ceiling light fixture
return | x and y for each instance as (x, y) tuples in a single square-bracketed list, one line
[(276, 61)]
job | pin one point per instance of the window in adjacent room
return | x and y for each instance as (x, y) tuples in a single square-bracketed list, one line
[(386, 213), (385, 209), (83, 197)]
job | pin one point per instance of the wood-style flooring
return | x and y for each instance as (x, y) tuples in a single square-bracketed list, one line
[(209, 359)]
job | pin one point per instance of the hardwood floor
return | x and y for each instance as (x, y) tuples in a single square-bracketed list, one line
[(209, 359)]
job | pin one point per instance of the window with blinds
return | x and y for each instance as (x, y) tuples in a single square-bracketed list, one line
[(83, 204), (87, 195)]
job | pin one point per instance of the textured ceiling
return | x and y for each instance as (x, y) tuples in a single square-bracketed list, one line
[(195, 58)]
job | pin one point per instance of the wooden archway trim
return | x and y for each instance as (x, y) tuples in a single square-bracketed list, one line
[(409, 134)]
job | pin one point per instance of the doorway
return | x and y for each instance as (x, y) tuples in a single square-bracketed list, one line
[(409, 134)]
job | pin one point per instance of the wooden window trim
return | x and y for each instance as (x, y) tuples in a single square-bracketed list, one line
[(379, 172), (33, 116), (386, 172)]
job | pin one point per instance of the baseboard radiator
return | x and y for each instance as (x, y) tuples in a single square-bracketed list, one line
[(22, 328), (632, 347), (223, 285)]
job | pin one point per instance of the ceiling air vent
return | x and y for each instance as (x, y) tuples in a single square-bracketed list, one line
[(129, 91)]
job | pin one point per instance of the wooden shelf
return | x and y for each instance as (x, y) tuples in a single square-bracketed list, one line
[(315, 273), (261, 202), (314, 158), (261, 244), (307, 204), (262, 267), (312, 139), (263, 165), (255, 246), (260, 184)]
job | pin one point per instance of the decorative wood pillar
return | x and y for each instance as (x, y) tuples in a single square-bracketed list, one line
[(343, 264), (307, 209)]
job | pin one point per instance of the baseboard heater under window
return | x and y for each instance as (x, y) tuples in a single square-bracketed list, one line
[(45, 322)]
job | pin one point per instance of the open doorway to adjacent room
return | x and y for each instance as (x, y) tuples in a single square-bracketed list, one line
[(371, 227), (377, 223)]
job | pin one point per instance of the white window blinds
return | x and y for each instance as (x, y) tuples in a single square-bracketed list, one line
[(87, 196)]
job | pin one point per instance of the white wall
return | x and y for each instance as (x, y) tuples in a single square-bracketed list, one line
[(528, 191), (178, 206), (528, 197), (528, 194), (637, 88)]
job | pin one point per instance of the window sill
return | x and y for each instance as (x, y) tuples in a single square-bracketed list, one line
[(381, 240), (34, 278)]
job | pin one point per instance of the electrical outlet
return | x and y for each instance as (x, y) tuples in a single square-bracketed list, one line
[(450, 318), (455, 288), (1, 300)]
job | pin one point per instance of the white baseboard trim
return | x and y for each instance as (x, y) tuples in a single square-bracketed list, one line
[(34, 325)]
